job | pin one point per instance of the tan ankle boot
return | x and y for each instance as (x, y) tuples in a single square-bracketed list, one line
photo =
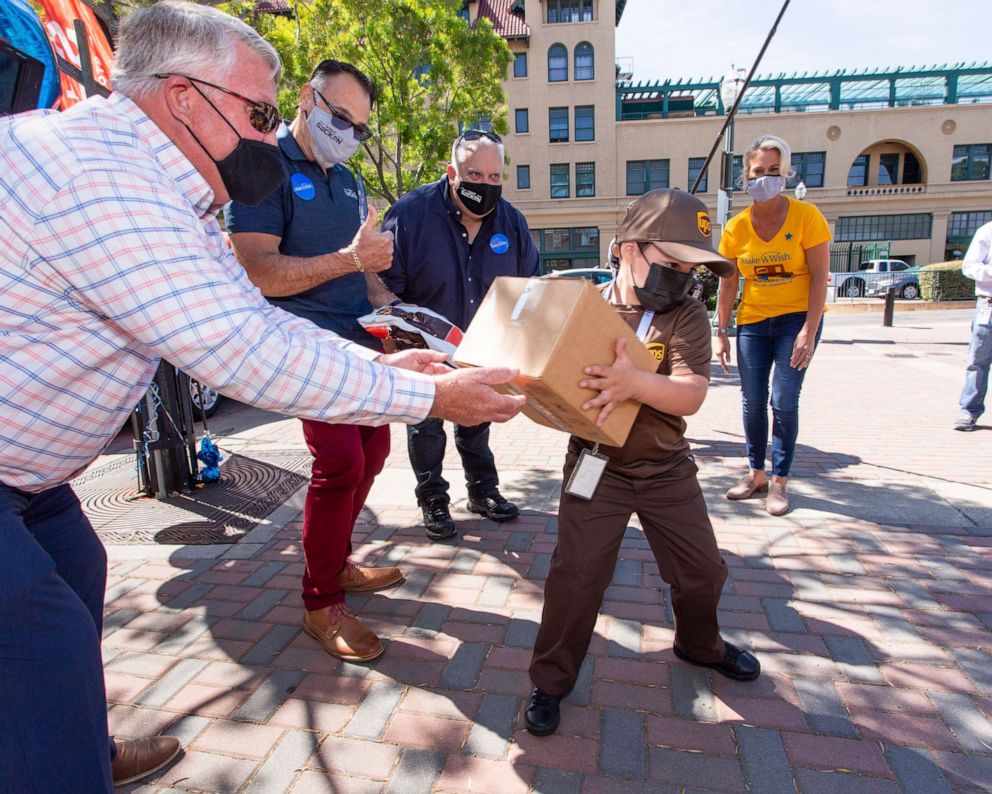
[(342, 634), (777, 501)]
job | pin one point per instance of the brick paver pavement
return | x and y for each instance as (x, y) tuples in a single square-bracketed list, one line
[(869, 605)]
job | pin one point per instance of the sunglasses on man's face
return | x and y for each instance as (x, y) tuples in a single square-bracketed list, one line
[(342, 122), (262, 116)]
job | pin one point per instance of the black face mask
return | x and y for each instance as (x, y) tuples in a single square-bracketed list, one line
[(251, 171), (664, 289), (479, 198)]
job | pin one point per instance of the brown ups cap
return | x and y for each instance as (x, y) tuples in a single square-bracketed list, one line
[(679, 224)]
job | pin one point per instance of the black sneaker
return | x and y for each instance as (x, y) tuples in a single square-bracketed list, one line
[(437, 519), (493, 506), (543, 713)]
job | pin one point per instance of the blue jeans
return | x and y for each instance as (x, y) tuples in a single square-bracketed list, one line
[(976, 376), (761, 345), (53, 571), (426, 443)]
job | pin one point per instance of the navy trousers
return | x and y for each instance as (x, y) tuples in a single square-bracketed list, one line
[(53, 707)]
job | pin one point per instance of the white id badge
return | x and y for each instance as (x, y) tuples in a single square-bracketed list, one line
[(586, 474), (984, 316)]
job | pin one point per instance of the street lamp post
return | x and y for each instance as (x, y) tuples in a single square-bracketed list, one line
[(730, 88)]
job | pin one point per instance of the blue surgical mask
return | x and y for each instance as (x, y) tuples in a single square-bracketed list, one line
[(765, 188)]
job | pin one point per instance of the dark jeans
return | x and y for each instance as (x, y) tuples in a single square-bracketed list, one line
[(53, 571), (426, 443), (761, 345)]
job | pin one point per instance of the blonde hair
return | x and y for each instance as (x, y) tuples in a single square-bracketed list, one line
[(767, 143)]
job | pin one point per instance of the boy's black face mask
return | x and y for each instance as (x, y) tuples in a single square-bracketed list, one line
[(664, 288)]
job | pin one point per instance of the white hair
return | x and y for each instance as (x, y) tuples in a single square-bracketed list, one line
[(767, 143), (181, 38), (461, 150)]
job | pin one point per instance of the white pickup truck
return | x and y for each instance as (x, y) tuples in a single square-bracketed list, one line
[(874, 277)]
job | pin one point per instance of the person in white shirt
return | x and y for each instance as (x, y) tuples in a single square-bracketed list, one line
[(978, 265)]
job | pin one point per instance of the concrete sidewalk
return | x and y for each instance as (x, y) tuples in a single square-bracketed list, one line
[(869, 606)]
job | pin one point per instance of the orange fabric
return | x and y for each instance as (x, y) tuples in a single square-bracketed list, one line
[(58, 16)]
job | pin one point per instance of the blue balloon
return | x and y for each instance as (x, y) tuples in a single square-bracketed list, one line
[(21, 28)]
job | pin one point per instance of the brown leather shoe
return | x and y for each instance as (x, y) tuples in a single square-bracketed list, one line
[(746, 488), (342, 634), (138, 758), (358, 577), (777, 501)]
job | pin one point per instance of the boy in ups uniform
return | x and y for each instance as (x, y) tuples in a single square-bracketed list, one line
[(662, 237)]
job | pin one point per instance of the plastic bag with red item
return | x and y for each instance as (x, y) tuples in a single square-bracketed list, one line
[(410, 326)]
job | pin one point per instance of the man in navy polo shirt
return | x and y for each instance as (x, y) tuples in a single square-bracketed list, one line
[(452, 238), (309, 251)]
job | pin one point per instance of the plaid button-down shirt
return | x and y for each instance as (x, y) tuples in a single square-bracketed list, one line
[(111, 258)]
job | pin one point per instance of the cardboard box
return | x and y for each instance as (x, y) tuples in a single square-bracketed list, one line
[(551, 329)]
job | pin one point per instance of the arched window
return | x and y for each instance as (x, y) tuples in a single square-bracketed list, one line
[(585, 62), (557, 63)]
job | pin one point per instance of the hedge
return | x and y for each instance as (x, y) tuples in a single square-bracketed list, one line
[(943, 281)]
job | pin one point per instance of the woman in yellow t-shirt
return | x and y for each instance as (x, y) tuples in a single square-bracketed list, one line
[(781, 247)]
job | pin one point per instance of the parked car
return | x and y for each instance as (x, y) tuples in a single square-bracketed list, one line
[(211, 399), (874, 277), (597, 275)]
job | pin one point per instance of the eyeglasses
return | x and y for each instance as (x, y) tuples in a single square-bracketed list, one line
[(342, 122), (474, 135), (263, 116)]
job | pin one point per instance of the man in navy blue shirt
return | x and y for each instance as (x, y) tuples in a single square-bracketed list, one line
[(310, 252), (452, 238)]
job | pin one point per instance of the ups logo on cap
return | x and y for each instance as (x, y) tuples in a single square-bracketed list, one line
[(703, 223)]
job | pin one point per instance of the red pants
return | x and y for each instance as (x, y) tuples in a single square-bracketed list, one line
[(346, 459)]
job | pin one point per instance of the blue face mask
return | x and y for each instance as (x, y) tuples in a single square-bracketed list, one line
[(765, 188)]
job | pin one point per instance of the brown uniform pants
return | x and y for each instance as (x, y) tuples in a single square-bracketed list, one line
[(673, 513)]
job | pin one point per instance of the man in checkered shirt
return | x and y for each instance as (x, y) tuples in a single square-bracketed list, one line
[(112, 259)]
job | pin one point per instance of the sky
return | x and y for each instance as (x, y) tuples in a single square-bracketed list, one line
[(703, 39)]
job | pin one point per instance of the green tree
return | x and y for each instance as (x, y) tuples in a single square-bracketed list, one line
[(432, 68)]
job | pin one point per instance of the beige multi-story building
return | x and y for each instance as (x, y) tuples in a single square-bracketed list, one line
[(897, 160)]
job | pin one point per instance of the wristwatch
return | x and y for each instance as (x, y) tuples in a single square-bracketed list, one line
[(722, 331)]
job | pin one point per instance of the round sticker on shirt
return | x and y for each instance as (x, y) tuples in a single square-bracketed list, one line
[(302, 187), (499, 244)]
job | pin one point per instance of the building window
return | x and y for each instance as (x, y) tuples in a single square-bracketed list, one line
[(558, 125), (585, 66), (559, 180), (888, 169), (520, 64), (557, 63), (585, 123), (567, 248), (961, 226), (971, 162), (809, 168), (522, 120), (645, 175), (585, 180), (523, 177), (912, 174), (857, 176), (569, 11), (695, 166), (914, 226)]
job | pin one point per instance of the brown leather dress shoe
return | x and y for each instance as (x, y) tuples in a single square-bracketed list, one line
[(342, 634), (358, 577), (138, 758)]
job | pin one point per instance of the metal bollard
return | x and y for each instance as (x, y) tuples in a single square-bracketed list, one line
[(890, 307)]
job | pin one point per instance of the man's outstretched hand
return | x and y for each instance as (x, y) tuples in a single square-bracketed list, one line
[(466, 397)]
